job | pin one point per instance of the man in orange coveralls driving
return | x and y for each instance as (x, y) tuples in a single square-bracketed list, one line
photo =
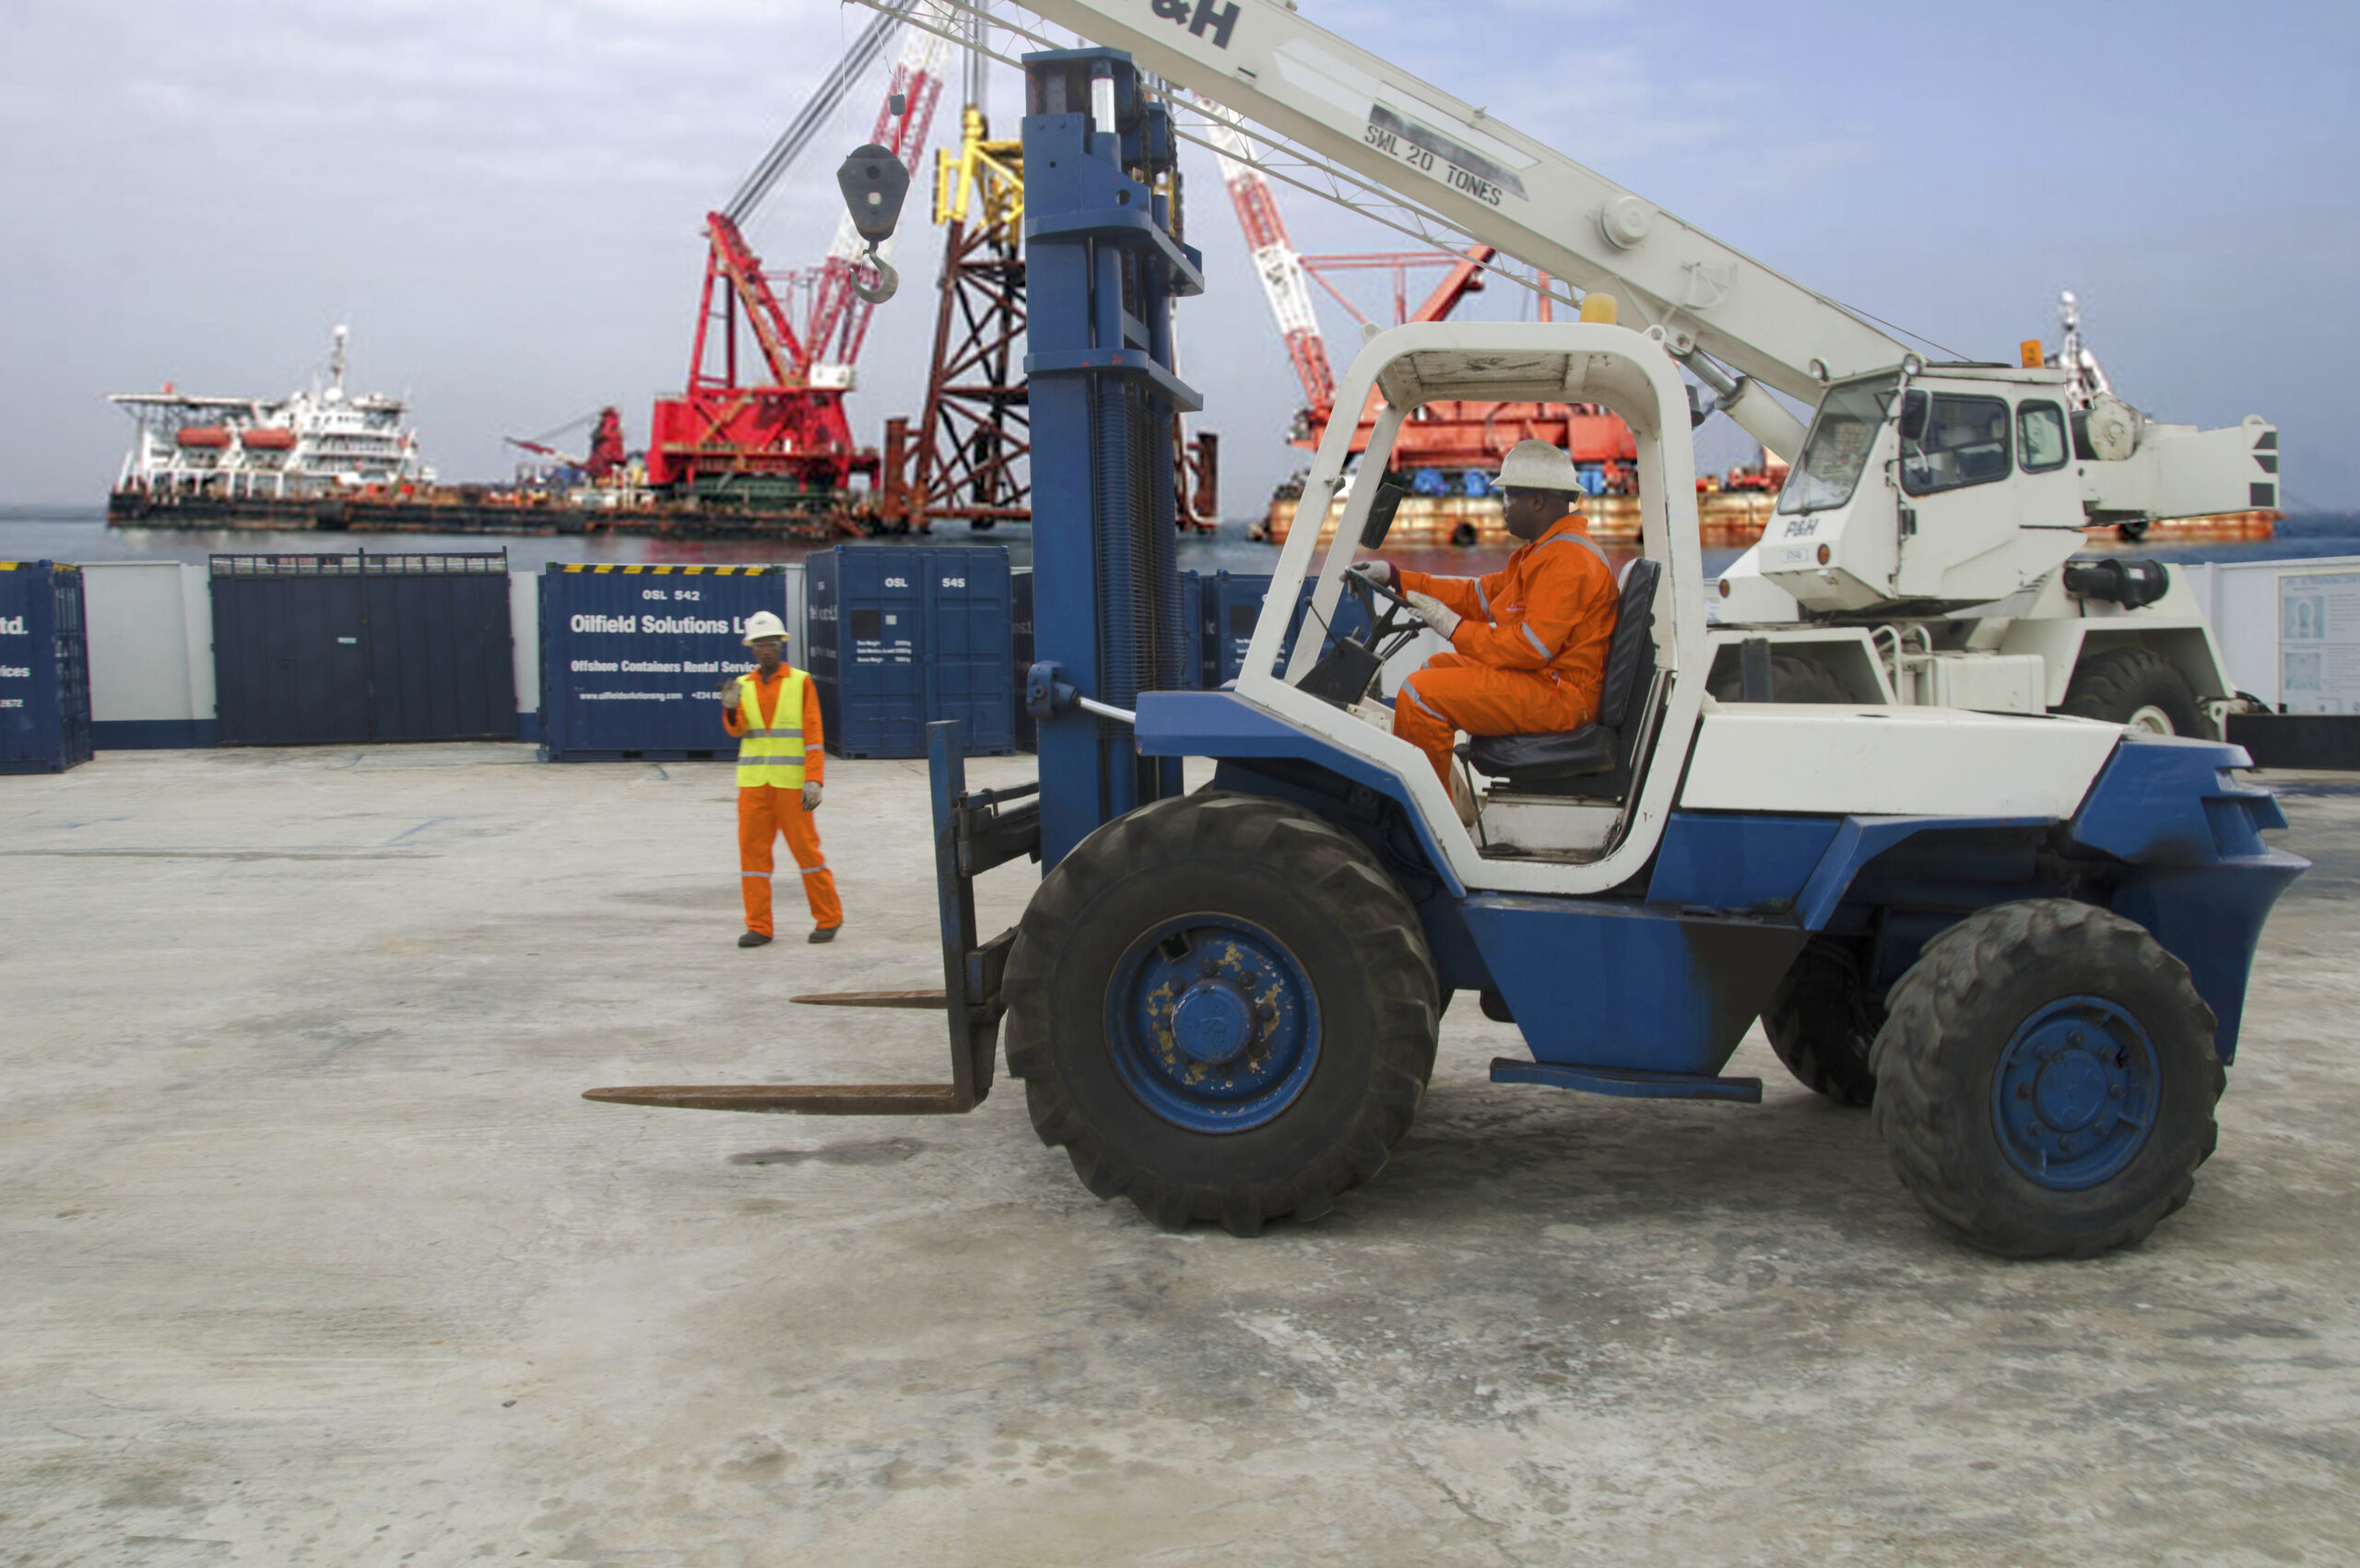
[(774, 709), (1528, 643)]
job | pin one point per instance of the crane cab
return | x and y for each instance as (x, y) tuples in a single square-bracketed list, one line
[(1938, 488)]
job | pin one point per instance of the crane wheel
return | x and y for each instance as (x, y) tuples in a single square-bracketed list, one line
[(1822, 1020), (1792, 680), (2045, 1080), (2136, 687), (1223, 1009)]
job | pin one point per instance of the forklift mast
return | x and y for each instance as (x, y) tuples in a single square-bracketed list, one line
[(1105, 264)]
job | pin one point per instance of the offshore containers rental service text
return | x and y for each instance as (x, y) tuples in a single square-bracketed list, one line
[(633, 659)]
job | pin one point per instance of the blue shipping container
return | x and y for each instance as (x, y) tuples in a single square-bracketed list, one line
[(44, 669), (1192, 629), (970, 635), (336, 648), (1232, 604), (1347, 620), (1019, 637), (633, 657), (903, 636)]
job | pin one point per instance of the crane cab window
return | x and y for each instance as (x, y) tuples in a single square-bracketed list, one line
[(2041, 440), (1948, 442), (1837, 448)]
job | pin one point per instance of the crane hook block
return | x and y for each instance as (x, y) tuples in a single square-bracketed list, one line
[(874, 181)]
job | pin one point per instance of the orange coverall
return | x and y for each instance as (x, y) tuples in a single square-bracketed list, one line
[(1530, 655), (764, 812)]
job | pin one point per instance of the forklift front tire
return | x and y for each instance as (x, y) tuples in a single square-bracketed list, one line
[(1223, 1009)]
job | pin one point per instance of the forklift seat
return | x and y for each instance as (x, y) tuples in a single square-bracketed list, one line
[(1568, 761)]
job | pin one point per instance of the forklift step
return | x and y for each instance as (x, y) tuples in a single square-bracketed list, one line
[(796, 1099), (1628, 1082), (937, 999)]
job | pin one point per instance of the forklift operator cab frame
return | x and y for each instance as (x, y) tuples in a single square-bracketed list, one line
[(1630, 373)]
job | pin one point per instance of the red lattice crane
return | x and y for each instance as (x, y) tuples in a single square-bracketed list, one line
[(766, 429)]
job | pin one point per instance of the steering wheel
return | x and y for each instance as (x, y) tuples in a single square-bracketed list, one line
[(1398, 616)]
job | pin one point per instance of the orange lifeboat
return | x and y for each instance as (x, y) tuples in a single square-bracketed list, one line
[(267, 438), (205, 437)]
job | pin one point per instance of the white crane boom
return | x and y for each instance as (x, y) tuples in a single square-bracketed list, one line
[(1342, 103), (1368, 128)]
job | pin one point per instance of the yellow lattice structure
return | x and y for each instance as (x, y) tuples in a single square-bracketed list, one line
[(983, 181)]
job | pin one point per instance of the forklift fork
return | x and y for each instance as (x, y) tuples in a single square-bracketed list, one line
[(973, 832)]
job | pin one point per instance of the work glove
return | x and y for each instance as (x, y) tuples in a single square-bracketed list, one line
[(1435, 614), (730, 695), (1380, 573), (811, 797)]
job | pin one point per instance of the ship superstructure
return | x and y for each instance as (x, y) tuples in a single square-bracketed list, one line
[(319, 443)]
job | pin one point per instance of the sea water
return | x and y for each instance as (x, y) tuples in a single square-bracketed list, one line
[(71, 534)]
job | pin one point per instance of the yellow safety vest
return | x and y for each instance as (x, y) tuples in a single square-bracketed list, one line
[(773, 756)]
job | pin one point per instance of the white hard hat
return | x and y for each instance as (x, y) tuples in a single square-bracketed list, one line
[(762, 623), (1537, 466)]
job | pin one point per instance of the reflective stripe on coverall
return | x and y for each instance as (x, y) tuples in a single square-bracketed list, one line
[(1528, 658), (777, 750)]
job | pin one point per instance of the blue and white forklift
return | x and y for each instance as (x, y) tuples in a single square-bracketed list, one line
[(2021, 938)]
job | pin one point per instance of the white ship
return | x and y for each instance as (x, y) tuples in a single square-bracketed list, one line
[(319, 443)]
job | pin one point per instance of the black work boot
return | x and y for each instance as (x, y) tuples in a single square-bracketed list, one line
[(753, 939), (823, 933)]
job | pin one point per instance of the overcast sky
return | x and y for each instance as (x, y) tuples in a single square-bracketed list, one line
[(504, 200)]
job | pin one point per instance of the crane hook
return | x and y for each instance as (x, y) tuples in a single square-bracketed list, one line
[(886, 281), (874, 181)]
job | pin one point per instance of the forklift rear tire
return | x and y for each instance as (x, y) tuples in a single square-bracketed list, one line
[(1823, 1021), (1223, 1009), (2045, 1080), (2137, 687)]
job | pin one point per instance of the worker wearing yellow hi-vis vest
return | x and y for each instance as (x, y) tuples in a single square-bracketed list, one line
[(774, 711)]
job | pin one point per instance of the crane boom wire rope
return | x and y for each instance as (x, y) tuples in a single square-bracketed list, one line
[(822, 104)]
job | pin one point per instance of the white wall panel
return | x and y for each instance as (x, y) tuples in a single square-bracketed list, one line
[(151, 641)]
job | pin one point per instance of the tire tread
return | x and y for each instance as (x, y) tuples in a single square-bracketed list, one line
[(2114, 684)]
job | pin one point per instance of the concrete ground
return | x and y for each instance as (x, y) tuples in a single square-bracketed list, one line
[(310, 1252)]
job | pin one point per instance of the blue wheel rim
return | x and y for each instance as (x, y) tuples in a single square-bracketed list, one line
[(2076, 1093), (1213, 1023)]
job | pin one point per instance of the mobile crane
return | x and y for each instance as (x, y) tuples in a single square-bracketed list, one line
[(1919, 552), (2026, 939)]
